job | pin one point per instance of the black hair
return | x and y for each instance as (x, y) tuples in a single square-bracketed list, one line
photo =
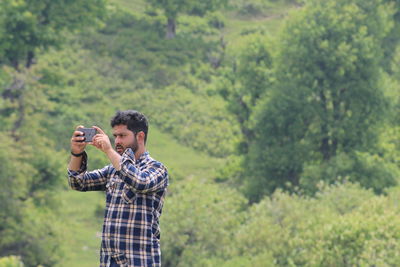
[(134, 121)]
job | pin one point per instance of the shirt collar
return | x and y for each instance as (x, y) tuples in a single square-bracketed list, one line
[(143, 156), (129, 153)]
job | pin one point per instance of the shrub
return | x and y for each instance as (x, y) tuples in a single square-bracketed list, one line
[(11, 261)]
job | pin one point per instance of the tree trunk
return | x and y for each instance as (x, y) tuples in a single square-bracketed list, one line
[(16, 95), (324, 145), (20, 119), (29, 59), (171, 28)]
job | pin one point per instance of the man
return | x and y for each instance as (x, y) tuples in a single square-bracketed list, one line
[(135, 186)]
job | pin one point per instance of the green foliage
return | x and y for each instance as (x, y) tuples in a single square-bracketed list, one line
[(249, 80), (327, 46), (327, 98), (200, 225), (392, 40), (30, 167), (147, 58), (29, 227), (30, 171), (251, 8), (73, 90), (11, 261), (27, 26), (172, 8), (259, 8), (343, 226), (169, 80), (196, 119), (371, 171)]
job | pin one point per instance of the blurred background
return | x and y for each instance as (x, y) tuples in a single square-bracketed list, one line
[(277, 119)]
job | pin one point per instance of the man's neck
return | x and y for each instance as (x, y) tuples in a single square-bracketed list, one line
[(139, 152)]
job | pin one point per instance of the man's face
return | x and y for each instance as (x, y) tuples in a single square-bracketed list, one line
[(124, 138)]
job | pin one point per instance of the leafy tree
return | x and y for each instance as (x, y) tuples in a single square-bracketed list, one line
[(327, 98), (172, 8), (392, 40), (247, 81), (30, 171), (29, 26)]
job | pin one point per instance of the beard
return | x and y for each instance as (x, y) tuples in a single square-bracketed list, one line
[(121, 149)]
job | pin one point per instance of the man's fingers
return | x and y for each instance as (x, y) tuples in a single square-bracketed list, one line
[(99, 130), (77, 132), (78, 138), (96, 139)]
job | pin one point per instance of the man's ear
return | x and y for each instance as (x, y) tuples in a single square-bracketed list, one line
[(140, 136)]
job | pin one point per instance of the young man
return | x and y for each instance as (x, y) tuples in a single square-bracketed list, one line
[(135, 186)]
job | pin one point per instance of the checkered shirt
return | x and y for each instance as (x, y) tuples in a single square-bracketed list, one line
[(134, 201)]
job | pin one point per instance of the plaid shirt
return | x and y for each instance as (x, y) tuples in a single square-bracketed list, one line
[(134, 201)]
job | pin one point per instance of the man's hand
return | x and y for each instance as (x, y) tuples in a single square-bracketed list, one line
[(102, 141), (77, 141)]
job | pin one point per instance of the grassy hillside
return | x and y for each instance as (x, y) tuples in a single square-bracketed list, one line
[(237, 23), (206, 93)]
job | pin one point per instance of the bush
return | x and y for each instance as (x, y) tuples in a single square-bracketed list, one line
[(344, 225), (11, 261), (370, 171), (199, 223)]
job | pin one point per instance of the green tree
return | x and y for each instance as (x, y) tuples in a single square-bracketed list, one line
[(30, 171), (27, 27), (392, 40), (327, 97), (246, 82), (30, 27), (172, 8)]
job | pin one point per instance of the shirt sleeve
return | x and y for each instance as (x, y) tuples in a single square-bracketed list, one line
[(153, 178), (82, 180)]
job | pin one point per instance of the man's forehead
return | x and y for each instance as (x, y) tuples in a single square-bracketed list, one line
[(120, 129)]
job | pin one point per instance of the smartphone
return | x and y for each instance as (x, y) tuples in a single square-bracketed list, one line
[(88, 133)]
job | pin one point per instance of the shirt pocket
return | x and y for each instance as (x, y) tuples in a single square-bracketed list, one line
[(128, 196), (121, 260)]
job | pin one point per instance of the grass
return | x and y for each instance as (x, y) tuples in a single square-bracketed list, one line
[(270, 23), (82, 227), (131, 5), (180, 160)]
